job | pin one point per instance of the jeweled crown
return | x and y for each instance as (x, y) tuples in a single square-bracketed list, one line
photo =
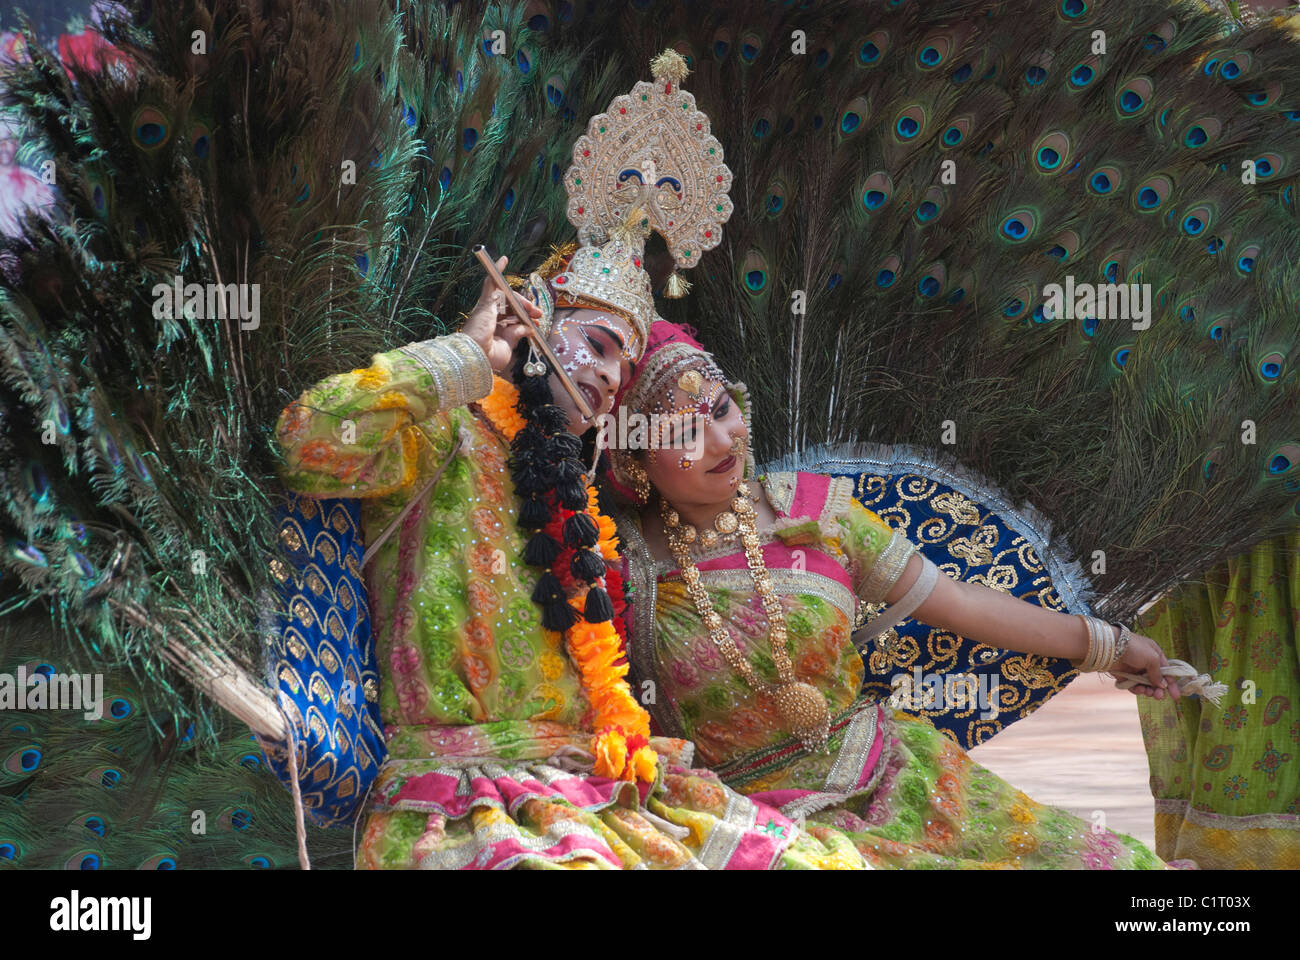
[(649, 162)]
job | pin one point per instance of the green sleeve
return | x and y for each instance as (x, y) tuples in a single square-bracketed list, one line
[(356, 434), (877, 552)]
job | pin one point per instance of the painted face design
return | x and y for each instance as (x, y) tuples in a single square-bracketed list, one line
[(573, 348)]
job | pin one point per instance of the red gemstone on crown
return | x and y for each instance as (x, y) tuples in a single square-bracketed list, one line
[(560, 279)]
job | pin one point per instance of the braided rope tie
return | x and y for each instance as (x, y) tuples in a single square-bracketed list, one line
[(1200, 684)]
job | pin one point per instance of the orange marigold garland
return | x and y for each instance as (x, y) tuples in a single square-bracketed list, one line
[(621, 744)]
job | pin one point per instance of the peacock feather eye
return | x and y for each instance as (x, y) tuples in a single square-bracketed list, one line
[(1270, 366), (956, 132), (1217, 330), (1073, 9), (721, 43), (1202, 132), (777, 195), (200, 141), (1197, 220), (1246, 258), (556, 90), (444, 175), (95, 824), (872, 48), (1152, 192), (1187, 310), (1018, 226), (1119, 356), (120, 708), (962, 73), (762, 125), (933, 279), (1269, 165), (876, 191), (83, 860), (754, 273), (1105, 181), (1235, 66), (1064, 246), (1282, 460), (259, 861), (1134, 97), (824, 55), (1160, 38), (524, 60), (160, 861), (935, 51), (751, 45), (1265, 96), (150, 129), (10, 850), (1052, 152), (1210, 465), (24, 551), (24, 761), (1088, 326), (910, 123), (38, 486), (1035, 75), (887, 271), (854, 115), (931, 205), (469, 135), (1083, 74)]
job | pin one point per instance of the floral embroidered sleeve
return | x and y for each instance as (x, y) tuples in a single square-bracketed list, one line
[(355, 434), (877, 553)]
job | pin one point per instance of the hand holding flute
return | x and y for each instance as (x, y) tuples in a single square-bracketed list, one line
[(492, 324)]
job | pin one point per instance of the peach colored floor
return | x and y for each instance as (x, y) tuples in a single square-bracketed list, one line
[(1081, 751)]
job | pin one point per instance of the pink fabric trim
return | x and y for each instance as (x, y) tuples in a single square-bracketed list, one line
[(778, 556), (508, 849), (757, 848), (877, 748), (810, 492), (438, 790)]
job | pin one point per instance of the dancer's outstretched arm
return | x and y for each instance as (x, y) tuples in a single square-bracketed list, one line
[(985, 615)]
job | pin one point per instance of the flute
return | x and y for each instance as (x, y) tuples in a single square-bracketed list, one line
[(521, 313)]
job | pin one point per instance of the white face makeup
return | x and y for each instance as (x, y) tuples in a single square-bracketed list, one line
[(595, 351)]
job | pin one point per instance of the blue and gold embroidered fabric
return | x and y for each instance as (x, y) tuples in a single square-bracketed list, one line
[(324, 658), (970, 533)]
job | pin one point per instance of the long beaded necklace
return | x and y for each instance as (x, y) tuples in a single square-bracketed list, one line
[(802, 706)]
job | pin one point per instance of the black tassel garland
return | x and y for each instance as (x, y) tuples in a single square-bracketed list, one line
[(559, 616), (549, 590), (541, 550), (587, 565), (598, 609), (580, 531), (572, 496), (551, 418), (533, 515)]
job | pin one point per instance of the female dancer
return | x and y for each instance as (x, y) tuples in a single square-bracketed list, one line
[(746, 592)]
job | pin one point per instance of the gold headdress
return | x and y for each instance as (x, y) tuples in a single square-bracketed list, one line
[(649, 162)]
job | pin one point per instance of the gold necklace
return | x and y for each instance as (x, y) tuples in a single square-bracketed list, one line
[(802, 706)]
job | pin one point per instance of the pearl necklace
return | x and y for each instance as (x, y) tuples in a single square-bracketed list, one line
[(802, 706)]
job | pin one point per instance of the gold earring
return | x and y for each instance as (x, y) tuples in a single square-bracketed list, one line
[(640, 481)]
